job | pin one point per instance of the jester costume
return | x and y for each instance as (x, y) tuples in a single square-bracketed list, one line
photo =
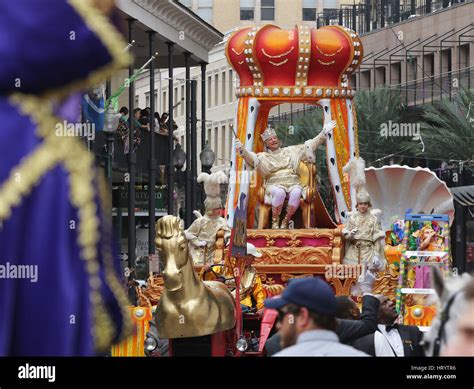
[(54, 207)]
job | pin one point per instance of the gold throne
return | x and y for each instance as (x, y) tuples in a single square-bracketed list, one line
[(307, 174)]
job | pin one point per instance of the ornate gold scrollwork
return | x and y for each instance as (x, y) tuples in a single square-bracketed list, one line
[(342, 287)]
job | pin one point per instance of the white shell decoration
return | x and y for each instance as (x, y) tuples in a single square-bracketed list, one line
[(394, 189)]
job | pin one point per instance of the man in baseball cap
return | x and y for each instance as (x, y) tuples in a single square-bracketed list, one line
[(306, 320)]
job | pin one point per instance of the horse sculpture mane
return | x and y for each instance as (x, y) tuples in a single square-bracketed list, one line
[(188, 306), (451, 303)]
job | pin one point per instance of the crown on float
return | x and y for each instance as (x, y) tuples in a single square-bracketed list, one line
[(302, 62), (268, 133)]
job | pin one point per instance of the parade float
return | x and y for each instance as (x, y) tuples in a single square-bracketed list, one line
[(195, 307)]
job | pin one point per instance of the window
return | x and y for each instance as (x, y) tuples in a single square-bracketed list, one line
[(268, 10), (216, 90), (156, 99), (223, 144), (164, 102), (147, 99), (365, 79), (209, 137), (183, 102), (247, 9), (136, 101), (231, 86), (175, 101), (204, 10), (216, 140), (396, 72), (380, 76), (209, 90), (446, 61), (224, 85), (464, 56), (352, 81), (309, 10)]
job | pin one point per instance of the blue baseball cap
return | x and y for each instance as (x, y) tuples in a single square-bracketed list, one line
[(312, 293)]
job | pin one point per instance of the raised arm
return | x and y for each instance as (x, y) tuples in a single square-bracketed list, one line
[(312, 144), (350, 330), (249, 157), (322, 136)]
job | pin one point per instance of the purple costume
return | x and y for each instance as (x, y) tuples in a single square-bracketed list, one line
[(59, 290)]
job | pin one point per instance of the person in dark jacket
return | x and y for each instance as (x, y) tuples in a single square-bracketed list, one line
[(391, 339), (346, 308), (346, 330)]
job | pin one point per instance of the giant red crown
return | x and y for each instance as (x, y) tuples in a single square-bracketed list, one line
[(302, 62)]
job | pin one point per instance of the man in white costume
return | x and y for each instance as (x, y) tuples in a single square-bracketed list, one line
[(201, 234), (279, 166)]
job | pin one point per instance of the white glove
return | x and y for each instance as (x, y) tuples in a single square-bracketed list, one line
[(201, 243), (349, 234), (239, 146), (328, 127), (366, 281), (377, 264), (189, 236)]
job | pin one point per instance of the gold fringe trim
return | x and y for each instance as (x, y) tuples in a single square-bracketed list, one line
[(80, 165), (25, 176), (110, 38)]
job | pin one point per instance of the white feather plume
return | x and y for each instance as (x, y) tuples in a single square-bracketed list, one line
[(355, 168), (212, 182)]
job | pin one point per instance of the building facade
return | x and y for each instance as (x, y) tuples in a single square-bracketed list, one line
[(424, 56)]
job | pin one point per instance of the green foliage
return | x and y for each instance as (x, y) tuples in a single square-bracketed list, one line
[(446, 129), (374, 108)]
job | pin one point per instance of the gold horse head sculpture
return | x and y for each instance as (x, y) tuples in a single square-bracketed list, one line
[(188, 307)]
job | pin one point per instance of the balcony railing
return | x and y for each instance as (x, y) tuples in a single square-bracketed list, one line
[(120, 162), (433, 88), (370, 15)]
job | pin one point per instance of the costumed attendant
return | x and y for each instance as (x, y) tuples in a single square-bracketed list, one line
[(365, 239), (252, 294), (55, 213), (201, 234), (279, 166)]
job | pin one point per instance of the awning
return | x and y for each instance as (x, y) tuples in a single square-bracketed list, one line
[(464, 195), (173, 22)]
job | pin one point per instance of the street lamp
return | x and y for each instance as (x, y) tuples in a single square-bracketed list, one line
[(207, 157), (111, 122), (179, 157)]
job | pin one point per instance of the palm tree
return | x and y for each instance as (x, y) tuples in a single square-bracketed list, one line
[(374, 109), (447, 128)]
